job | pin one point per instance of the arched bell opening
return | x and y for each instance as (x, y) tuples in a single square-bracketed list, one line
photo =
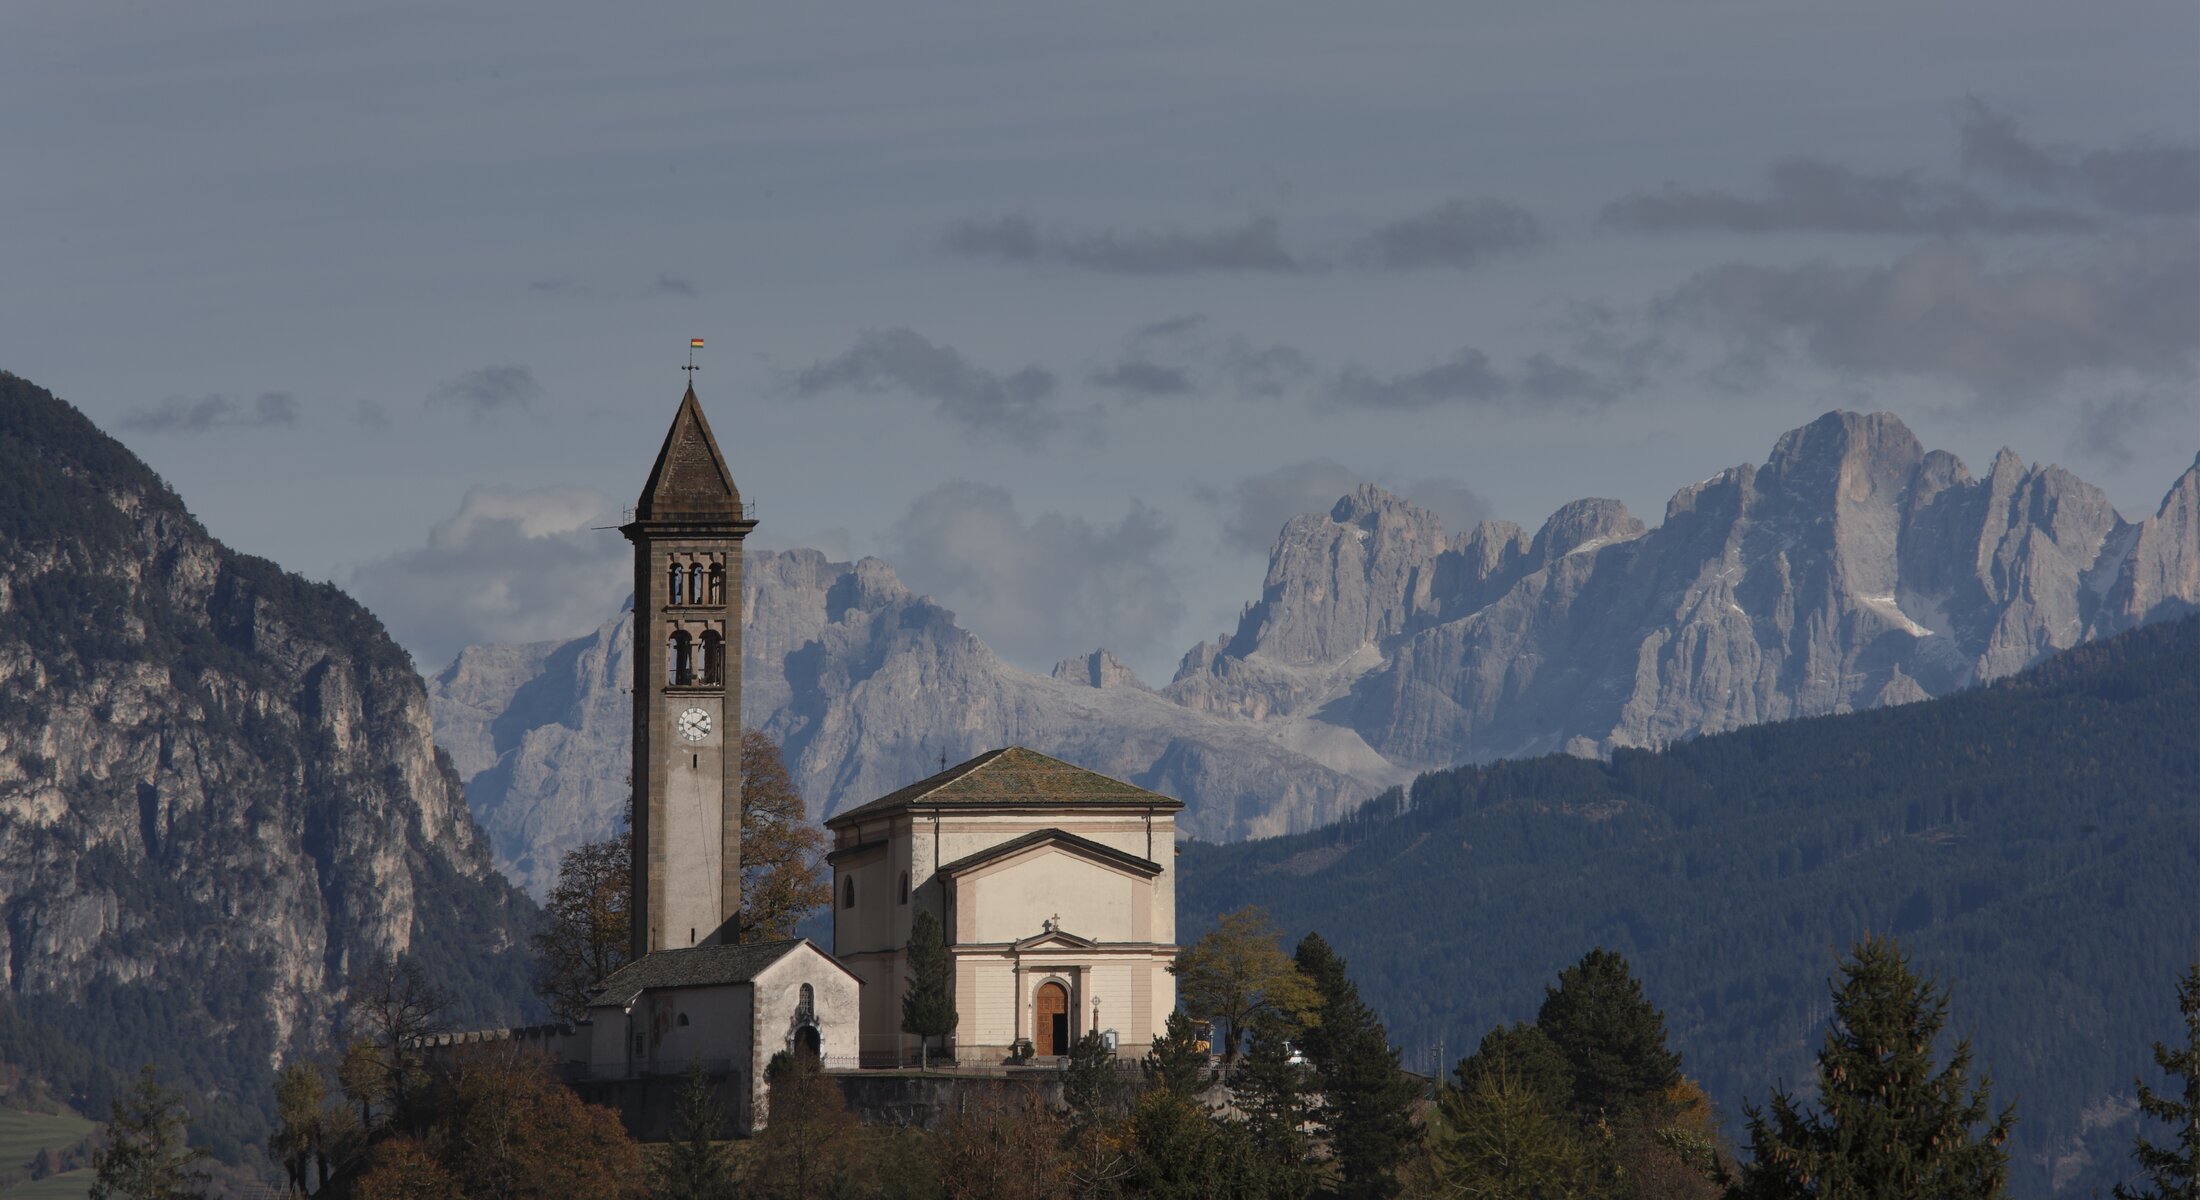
[(679, 659), (714, 657), (674, 577), (717, 583)]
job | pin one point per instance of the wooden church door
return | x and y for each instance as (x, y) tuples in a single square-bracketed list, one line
[(1053, 1019)]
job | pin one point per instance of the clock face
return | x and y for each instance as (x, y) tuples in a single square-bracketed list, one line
[(695, 724)]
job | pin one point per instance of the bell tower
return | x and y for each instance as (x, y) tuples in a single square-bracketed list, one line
[(687, 531)]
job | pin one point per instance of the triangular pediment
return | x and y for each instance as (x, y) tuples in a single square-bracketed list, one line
[(1057, 939), (690, 478)]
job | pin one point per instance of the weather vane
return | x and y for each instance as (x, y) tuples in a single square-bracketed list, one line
[(694, 344)]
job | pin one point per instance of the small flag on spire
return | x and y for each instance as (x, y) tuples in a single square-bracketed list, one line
[(695, 343)]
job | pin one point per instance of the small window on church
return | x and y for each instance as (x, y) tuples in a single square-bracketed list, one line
[(904, 887), (672, 584), (848, 892), (695, 584), (809, 998), (717, 583), (683, 1019)]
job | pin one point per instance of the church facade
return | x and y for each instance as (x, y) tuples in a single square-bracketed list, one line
[(1055, 888), (1055, 885)]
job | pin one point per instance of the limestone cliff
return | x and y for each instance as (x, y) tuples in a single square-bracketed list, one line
[(1853, 568), (218, 789)]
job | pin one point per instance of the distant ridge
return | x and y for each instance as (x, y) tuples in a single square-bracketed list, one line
[(1852, 569), (2032, 841)]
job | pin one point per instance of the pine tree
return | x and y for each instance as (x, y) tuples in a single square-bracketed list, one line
[(1173, 1148), (1525, 1053), (1612, 1038), (1890, 1126), (1271, 1093), (1367, 1099), (147, 1155), (928, 1010), (1503, 1139), (1091, 1090), (2174, 1171), (1177, 1063), (693, 1166)]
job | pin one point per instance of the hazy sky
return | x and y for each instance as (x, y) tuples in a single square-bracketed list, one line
[(1061, 309)]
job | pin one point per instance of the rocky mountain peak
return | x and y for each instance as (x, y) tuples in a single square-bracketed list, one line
[(1583, 525), (1099, 669)]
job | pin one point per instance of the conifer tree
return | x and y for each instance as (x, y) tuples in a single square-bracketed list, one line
[(1367, 1099), (1271, 1092), (1500, 1138), (928, 1009), (1525, 1053), (2173, 1171), (147, 1155), (693, 1166), (1890, 1126), (1177, 1064), (1612, 1038)]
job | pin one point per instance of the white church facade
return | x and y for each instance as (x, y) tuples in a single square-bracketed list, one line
[(1055, 885)]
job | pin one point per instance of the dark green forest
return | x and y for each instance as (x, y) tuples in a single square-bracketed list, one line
[(2034, 842)]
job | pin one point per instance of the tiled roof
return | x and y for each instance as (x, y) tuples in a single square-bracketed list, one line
[(1012, 778), (1121, 858), (692, 966)]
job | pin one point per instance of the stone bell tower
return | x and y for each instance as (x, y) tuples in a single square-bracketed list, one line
[(687, 531)]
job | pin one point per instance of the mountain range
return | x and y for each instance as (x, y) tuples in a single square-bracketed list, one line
[(220, 801), (1852, 569), (2030, 843)]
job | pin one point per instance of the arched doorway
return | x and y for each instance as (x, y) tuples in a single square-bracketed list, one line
[(806, 1043), (1051, 1017)]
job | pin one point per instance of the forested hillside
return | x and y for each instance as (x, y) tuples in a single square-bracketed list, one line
[(2035, 842)]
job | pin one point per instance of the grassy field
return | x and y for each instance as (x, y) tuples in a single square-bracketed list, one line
[(23, 1135), (72, 1184)]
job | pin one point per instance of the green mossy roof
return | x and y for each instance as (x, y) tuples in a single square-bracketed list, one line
[(1012, 778)]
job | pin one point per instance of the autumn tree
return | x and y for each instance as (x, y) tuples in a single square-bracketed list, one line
[(303, 1139), (501, 1125), (782, 854), (147, 1154), (587, 935), (1237, 975), (392, 1008), (810, 1139), (1889, 1125), (1613, 1039), (2173, 1171), (1002, 1143), (928, 1008)]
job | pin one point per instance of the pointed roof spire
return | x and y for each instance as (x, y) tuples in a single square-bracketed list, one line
[(690, 478)]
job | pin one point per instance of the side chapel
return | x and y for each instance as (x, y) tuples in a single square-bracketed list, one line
[(1055, 885)]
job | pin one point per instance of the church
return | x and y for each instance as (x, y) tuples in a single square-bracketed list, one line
[(1054, 885)]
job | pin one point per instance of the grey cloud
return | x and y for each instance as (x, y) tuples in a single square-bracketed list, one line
[(1466, 376), (2140, 179), (561, 283), (511, 565), (1808, 194), (1458, 234), (1254, 245), (1942, 311), (1143, 379), (1039, 589), (1011, 406), (179, 414), (1547, 380), (1255, 508), (673, 285), (487, 391)]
